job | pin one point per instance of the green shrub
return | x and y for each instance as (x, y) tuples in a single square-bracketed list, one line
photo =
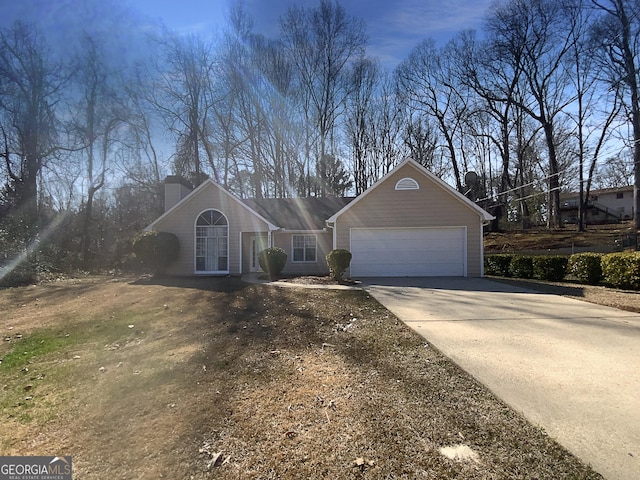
[(550, 267), (272, 261), (498, 265), (586, 267), (521, 266), (622, 270), (20, 274), (156, 250), (338, 261)]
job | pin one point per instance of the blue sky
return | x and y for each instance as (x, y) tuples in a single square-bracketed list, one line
[(394, 26)]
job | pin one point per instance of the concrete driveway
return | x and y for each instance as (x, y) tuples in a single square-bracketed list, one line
[(570, 367)]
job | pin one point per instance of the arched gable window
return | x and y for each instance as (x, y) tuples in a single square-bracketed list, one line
[(407, 184), (212, 242)]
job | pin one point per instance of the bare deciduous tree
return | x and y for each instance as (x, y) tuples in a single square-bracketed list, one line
[(617, 36), (183, 99), (426, 83), (360, 121), (31, 85), (99, 113), (321, 43), (534, 37)]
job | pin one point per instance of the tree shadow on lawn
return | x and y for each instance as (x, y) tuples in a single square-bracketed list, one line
[(400, 391), (258, 350), (225, 284)]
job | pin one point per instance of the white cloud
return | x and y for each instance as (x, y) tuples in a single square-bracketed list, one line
[(438, 16), (396, 29)]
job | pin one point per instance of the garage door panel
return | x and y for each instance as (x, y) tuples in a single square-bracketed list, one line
[(408, 252)]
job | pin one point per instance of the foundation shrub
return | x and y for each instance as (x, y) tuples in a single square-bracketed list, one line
[(338, 261), (156, 250), (272, 261)]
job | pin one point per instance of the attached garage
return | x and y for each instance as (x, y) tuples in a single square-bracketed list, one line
[(408, 252), (411, 224)]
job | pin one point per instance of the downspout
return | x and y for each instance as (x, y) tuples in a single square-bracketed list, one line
[(332, 225)]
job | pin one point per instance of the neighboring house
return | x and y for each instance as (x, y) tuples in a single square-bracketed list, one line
[(410, 223), (607, 205)]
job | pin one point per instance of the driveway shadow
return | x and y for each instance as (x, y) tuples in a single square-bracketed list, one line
[(466, 284), (573, 291)]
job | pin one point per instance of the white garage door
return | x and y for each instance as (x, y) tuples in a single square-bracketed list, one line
[(408, 252)]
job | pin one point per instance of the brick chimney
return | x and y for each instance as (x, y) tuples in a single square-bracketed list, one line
[(175, 189)]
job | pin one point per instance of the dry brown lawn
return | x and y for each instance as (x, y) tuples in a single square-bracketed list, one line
[(214, 378), (535, 239)]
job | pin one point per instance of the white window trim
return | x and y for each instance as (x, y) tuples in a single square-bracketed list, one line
[(195, 246), (315, 237)]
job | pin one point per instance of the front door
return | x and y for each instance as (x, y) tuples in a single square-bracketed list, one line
[(257, 244)]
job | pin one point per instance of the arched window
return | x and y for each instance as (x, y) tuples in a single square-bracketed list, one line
[(407, 184), (212, 242)]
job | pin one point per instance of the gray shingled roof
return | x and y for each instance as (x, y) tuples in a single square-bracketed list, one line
[(297, 213)]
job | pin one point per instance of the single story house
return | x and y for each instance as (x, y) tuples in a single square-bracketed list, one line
[(410, 223)]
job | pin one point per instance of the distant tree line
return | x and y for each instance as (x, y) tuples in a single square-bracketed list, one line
[(544, 99)]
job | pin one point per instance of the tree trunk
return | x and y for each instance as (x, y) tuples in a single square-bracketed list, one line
[(554, 180)]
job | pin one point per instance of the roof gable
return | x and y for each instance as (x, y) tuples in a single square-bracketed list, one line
[(486, 216), (209, 184)]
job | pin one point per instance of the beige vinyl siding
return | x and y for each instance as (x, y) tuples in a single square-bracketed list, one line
[(181, 222), (324, 242), (430, 206)]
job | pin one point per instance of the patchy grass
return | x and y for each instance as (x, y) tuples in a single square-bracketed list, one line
[(205, 378), (37, 344)]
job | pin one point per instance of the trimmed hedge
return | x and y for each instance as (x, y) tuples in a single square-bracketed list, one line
[(338, 261), (156, 250), (550, 267), (621, 270), (272, 261), (586, 267), (497, 265), (521, 266)]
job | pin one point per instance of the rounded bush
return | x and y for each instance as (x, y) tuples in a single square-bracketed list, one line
[(272, 261), (338, 261), (586, 267), (156, 250), (521, 266), (550, 267), (498, 265), (622, 270)]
